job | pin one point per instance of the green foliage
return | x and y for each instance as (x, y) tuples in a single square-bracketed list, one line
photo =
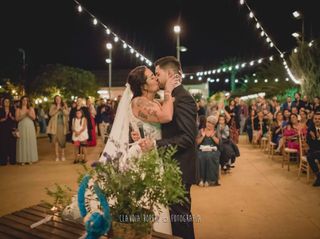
[(143, 184), (64, 79), (61, 195), (218, 97), (305, 65)]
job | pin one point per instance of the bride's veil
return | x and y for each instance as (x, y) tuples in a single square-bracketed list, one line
[(118, 140)]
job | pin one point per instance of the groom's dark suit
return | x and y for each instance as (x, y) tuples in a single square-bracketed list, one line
[(181, 132)]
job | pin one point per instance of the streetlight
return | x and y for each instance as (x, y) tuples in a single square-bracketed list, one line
[(177, 30), (296, 35), (298, 15), (183, 49), (109, 61)]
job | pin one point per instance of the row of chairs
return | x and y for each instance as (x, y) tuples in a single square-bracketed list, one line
[(288, 154)]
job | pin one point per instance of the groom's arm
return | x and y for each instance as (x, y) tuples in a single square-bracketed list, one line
[(185, 114)]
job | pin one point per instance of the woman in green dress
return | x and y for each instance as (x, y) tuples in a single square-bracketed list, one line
[(27, 151)]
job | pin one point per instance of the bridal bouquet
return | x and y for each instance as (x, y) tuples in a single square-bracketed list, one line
[(135, 191), (143, 184)]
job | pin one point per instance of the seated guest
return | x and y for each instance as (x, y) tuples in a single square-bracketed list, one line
[(208, 154), (229, 150), (286, 115), (292, 131), (287, 105), (316, 104), (277, 130), (313, 140), (259, 127), (298, 102)]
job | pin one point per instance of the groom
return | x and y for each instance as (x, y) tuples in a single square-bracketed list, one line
[(180, 132)]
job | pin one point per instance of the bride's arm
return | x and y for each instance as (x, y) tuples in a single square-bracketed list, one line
[(149, 111)]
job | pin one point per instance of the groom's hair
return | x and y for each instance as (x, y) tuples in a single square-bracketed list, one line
[(169, 62)]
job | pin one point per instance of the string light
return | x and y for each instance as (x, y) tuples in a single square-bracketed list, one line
[(271, 44), (95, 21), (79, 8), (310, 44)]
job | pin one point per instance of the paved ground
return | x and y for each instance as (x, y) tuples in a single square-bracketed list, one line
[(258, 199)]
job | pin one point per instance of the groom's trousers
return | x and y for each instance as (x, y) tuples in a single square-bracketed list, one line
[(181, 218)]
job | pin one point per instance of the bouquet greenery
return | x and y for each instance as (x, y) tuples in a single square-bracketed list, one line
[(142, 184)]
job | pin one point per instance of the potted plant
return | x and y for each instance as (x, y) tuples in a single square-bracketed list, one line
[(137, 188)]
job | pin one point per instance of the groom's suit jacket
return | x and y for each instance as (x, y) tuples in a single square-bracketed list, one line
[(181, 132)]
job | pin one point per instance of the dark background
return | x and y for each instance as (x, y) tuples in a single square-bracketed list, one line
[(213, 31)]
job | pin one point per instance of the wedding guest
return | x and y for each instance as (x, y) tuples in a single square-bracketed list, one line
[(234, 123), (8, 125), (208, 154), (81, 105), (79, 136), (27, 151), (92, 111), (41, 116), (58, 126), (313, 140)]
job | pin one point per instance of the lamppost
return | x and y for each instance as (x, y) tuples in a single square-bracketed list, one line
[(177, 30), (109, 61), (298, 15), (23, 70)]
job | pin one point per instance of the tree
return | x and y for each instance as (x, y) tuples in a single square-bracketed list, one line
[(66, 80), (226, 64), (271, 71), (305, 65)]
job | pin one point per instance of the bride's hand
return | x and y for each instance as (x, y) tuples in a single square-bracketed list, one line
[(146, 144), (172, 82), (135, 136)]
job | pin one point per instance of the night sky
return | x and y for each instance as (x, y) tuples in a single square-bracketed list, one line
[(54, 32)]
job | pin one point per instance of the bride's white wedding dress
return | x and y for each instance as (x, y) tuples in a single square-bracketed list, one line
[(152, 131)]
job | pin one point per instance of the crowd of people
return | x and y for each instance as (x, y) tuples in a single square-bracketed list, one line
[(283, 122), (219, 125), (79, 123)]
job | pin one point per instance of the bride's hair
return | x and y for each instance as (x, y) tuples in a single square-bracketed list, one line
[(136, 79)]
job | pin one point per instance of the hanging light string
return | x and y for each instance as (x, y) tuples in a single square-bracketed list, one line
[(116, 37), (263, 33), (224, 68), (271, 43)]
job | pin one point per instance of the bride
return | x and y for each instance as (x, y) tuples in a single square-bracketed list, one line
[(140, 111)]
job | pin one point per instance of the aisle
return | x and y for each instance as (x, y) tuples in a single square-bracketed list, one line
[(259, 199)]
